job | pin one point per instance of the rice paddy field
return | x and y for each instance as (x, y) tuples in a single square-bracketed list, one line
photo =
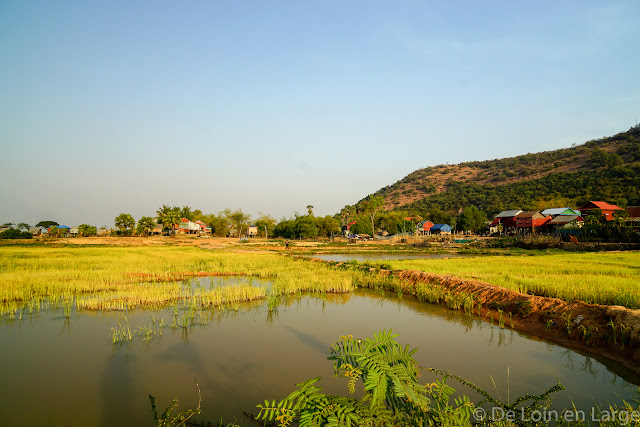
[(122, 278), (598, 278), (94, 318)]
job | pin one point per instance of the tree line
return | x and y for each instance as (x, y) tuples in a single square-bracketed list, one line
[(366, 217)]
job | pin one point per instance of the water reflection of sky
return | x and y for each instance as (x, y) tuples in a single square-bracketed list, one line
[(75, 375)]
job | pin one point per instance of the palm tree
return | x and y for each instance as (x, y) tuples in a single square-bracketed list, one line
[(145, 225), (186, 212), (169, 217)]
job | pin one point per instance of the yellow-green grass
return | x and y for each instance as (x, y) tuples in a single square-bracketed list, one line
[(104, 277), (598, 278)]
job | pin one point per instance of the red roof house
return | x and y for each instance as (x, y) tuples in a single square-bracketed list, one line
[(606, 208), (423, 227)]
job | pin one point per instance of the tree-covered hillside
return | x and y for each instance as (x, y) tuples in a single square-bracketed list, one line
[(605, 169)]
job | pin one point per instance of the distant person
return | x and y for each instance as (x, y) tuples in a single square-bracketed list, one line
[(286, 245)]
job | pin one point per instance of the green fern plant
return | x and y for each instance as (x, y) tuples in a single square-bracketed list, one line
[(392, 393)]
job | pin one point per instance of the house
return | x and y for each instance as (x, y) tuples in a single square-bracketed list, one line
[(252, 231), (204, 228), (565, 222), (74, 231), (506, 218), (633, 215), (35, 231), (103, 232), (188, 227), (607, 209), (565, 226), (531, 219), (554, 212), (345, 228), (441, 229), (424, 227)]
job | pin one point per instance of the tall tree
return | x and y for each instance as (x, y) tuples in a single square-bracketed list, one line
[(265, 221), (187, 213), (370, 208), (306, 227), (347, 213), (310, 210), (219, 223), (328, 226), (125, 223), (285, 228), (169, 217), (24, 226), (87, 230), (472, 219), (54, 231), (239, 220), (47, 224), (145, 225)]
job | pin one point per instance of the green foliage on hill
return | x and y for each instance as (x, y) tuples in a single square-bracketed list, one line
[(619, 185), (604, 169)]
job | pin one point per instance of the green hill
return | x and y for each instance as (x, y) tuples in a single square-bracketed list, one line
[(605, 169)]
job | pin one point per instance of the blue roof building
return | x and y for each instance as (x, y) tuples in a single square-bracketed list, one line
[(441, 228)]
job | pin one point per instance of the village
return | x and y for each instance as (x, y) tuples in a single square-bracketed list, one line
[(565, 223)]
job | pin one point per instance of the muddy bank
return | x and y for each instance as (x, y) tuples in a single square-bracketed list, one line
[(611, 331)]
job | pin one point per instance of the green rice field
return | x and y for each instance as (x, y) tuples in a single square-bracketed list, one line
[(121, 278), (610, 278)]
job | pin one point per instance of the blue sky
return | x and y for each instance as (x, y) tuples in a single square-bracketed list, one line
[(119, 106)]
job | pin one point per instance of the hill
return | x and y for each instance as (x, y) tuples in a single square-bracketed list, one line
[(603, 169)]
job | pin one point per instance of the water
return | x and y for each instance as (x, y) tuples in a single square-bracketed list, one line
[(66, 371), (380, 257)]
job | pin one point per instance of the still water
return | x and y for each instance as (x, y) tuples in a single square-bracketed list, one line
[(66, 371), (381, 257)]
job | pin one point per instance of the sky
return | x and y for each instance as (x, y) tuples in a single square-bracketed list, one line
[(110, 107)]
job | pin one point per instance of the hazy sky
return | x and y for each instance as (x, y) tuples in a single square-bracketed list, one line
[(122, 106)]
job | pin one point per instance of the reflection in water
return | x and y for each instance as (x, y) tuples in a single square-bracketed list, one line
[(309, 340), (241, 357), (66, 326), (116, 391), (272, 316)]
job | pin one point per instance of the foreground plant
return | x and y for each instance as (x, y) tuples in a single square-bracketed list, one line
[(392, 393), (167, 418)]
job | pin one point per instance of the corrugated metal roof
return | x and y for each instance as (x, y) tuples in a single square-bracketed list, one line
[(601, 205), (530, 214), (443, 227), (422, 223), (563, 219), (507, 214), (560, 211)]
